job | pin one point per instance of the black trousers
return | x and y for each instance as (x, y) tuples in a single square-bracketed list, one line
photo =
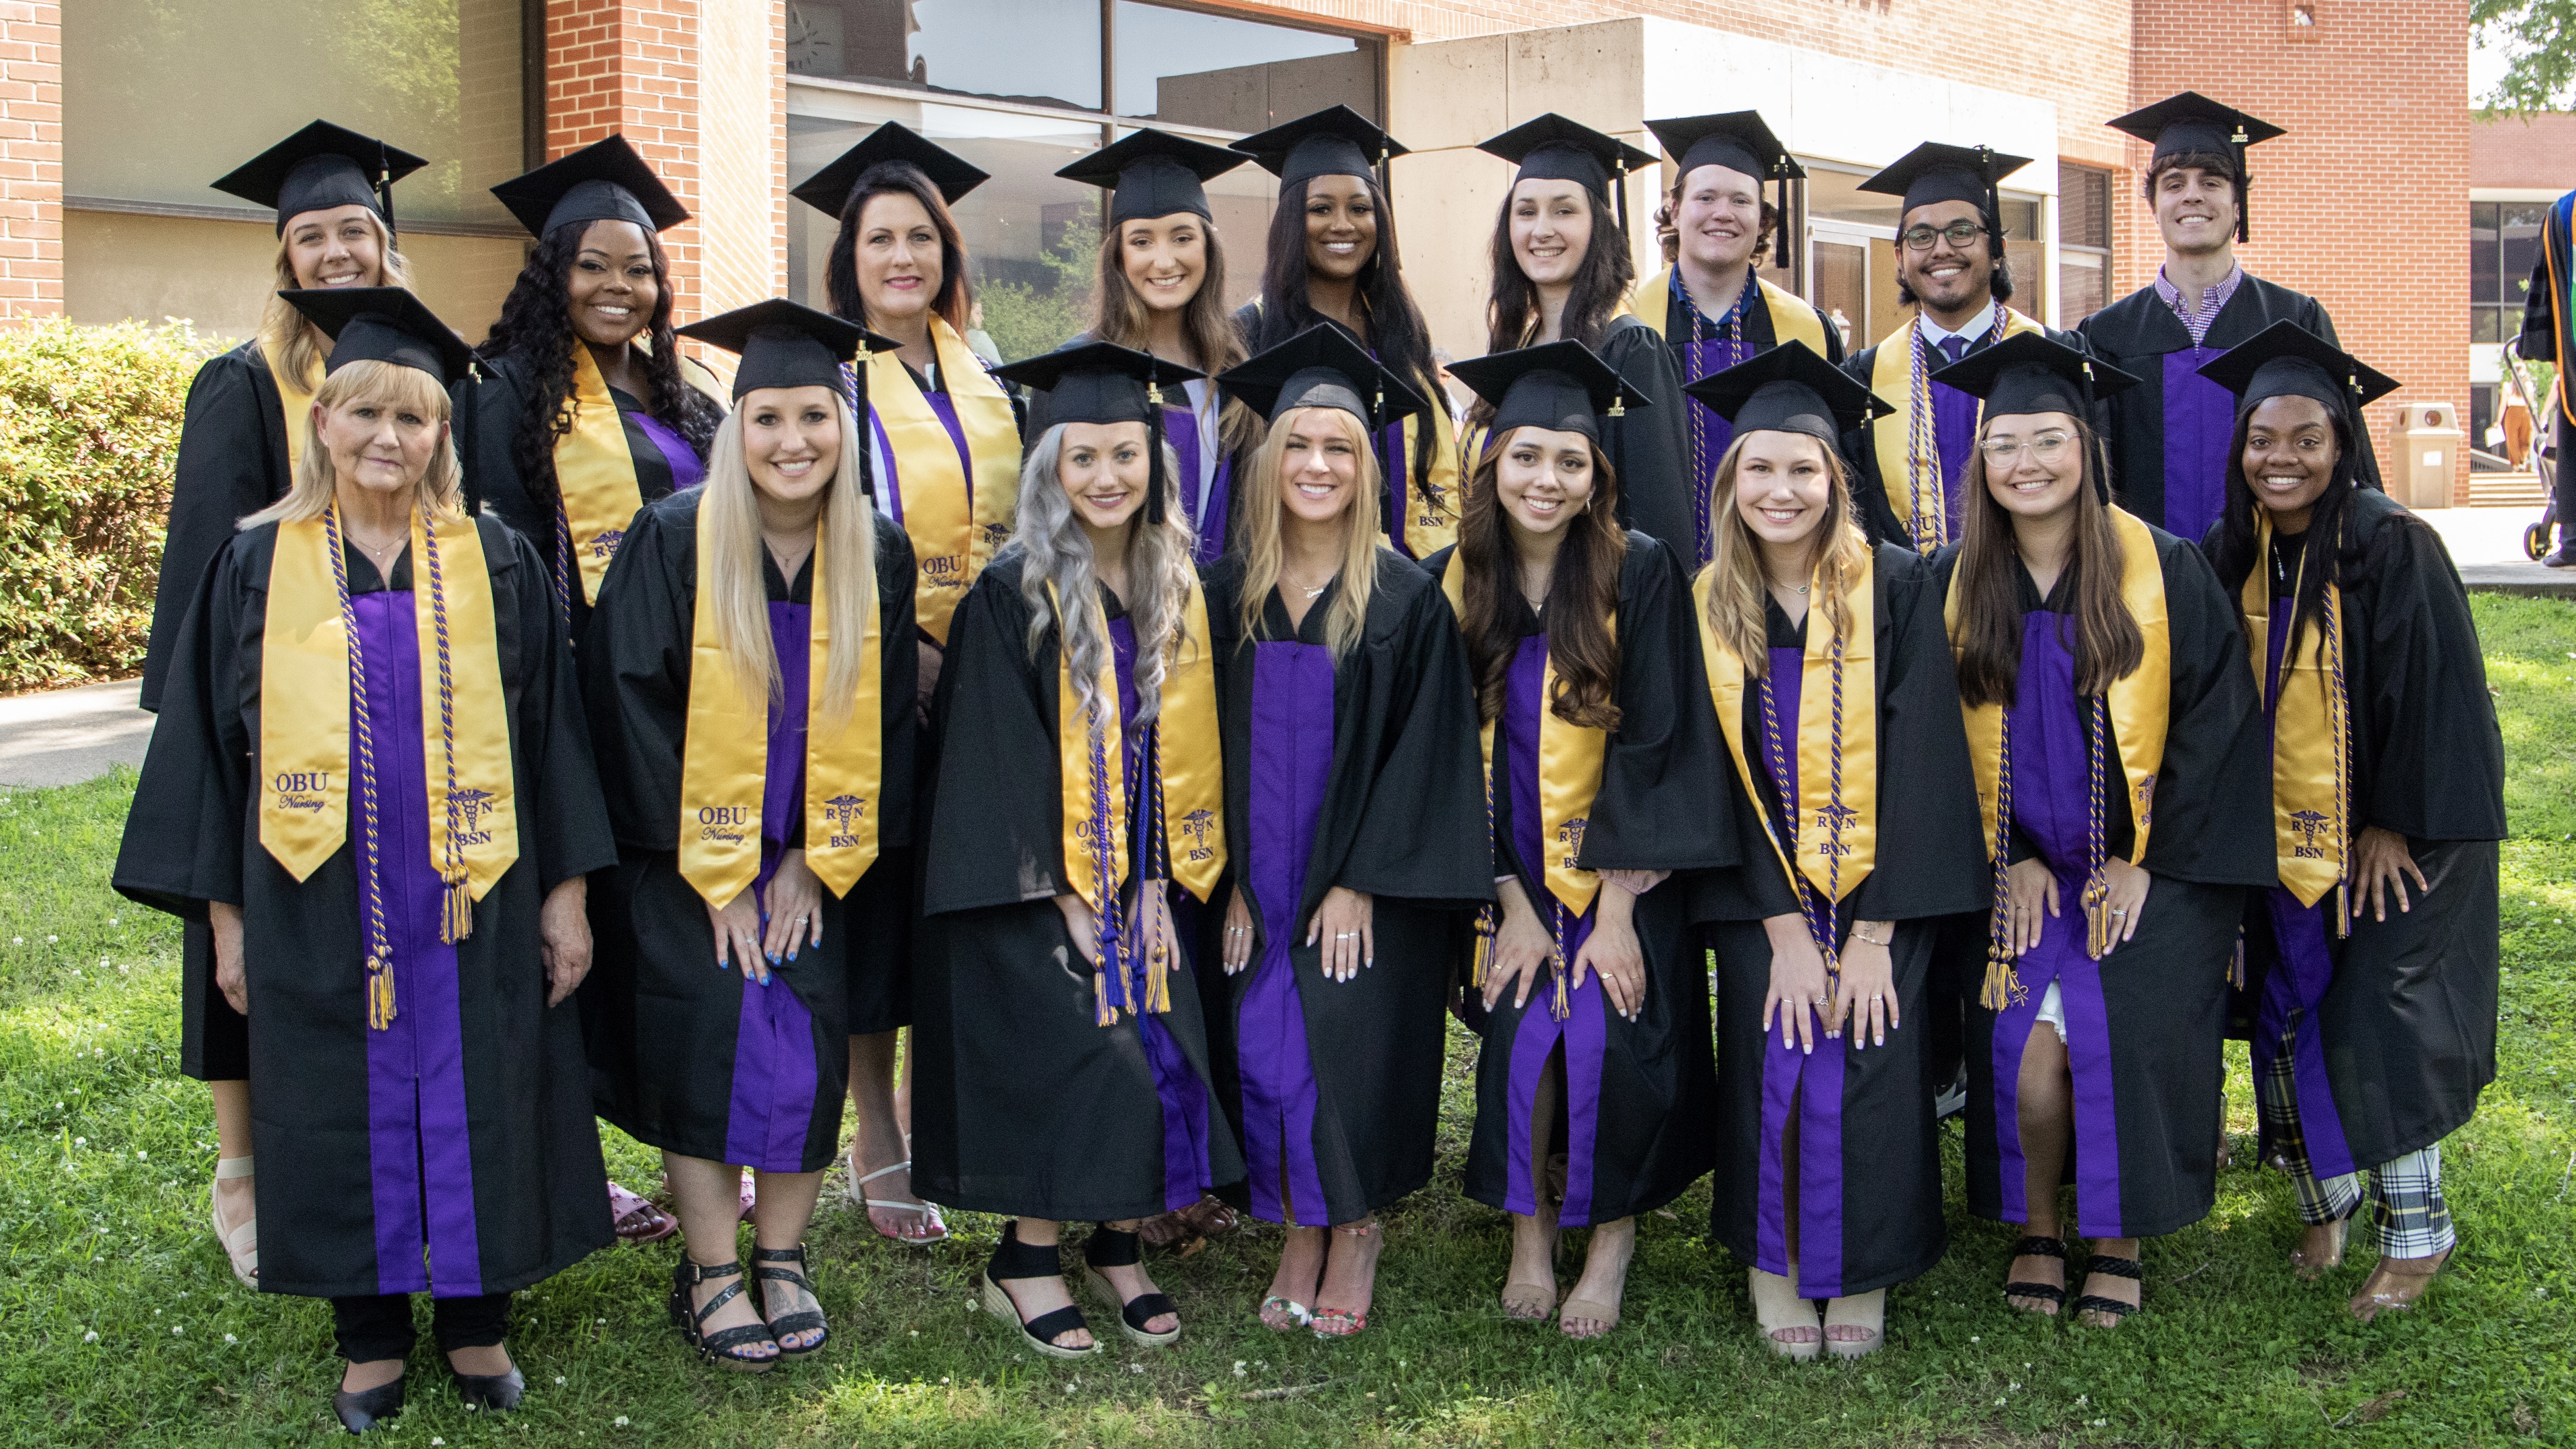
[(378, 1326), (2563, 455)]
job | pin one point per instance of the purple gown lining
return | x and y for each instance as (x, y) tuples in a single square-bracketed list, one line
[(1292, 762), (775, 1074)]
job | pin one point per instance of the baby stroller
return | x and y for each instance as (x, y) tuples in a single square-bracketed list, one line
[(2537, 538)]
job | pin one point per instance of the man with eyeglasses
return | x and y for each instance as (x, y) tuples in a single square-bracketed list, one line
[(2169, 435), (1710, 306), (1950, 268)]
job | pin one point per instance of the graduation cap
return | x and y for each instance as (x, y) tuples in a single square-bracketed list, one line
[(384, 324), (829, 189), (1337, 141), (604, 181), (320, 167), (1556, 149), (1322, 367), (1154, 173), (1789, 389), (788, 344), (2287, 360), (1102, 382), (1560, 386), (1936, 172), (1740, 142), (2193, 124), (2030, 372)]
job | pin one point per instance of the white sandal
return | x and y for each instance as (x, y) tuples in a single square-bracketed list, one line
[(241, 1241), (859, 1197)]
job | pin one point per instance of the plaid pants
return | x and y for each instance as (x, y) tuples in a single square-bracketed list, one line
[(2408, 1213)]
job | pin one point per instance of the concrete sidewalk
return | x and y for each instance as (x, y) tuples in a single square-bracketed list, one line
[(2486, 544), (65, 736)]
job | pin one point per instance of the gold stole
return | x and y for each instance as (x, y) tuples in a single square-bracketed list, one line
[(1569, 777), (1838, 851), (1430, 525), (724, 761), (1188, 779), (595, 473), (1791, 318), (295, 400), (2311, 769), (308, 697), (1900, 467), (930, 483)]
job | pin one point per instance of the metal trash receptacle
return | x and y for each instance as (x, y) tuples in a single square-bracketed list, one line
[(2427, 448)]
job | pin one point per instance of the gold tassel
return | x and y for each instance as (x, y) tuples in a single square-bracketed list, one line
[(456, 920), (2343, 909), (1481, 964), (2003, 981), (380, 993), (2097, 915), (1108, 1015), (1158, 979)]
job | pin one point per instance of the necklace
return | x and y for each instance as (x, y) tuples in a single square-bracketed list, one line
[(1303, 589)]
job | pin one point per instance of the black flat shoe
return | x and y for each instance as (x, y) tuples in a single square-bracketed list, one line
[(362, 1411), (493, 1393)]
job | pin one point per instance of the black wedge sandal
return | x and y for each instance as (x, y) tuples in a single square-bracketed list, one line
[(2113, 1308), (720, 1346), (1013, 1259), (2049, 1293), (804, 1320), (1110, 1248)]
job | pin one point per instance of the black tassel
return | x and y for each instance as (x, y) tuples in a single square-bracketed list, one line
[(1154, 450), (2101, 473), (2244, 232), (1619, 196), (1780, 220), (858, 399)]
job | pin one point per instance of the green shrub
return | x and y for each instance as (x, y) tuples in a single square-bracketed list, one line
[(89, 435)]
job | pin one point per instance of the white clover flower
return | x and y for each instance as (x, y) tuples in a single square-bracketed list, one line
[(228, 1338), (92, 1335), (621, 1419)]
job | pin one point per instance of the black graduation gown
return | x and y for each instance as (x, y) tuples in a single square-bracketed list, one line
[(1649, 448), (1662, 805), (1021, 1104), (531, 1198), (232, 463), (487, 427), (2408, 1027), (1371, 764), (2163, 993), (682, 1054), (1870, 1176), (2137, 334), (1869, 491)]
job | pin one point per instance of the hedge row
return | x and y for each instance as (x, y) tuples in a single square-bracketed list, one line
[(89, 434)]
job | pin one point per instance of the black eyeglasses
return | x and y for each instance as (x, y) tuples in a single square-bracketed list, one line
[(1958, 233)]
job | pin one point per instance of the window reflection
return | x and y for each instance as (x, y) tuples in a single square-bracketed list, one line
[(1185, 68), (1042, 52)]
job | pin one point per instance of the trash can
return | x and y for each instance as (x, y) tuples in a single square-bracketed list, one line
[(2427, 452)]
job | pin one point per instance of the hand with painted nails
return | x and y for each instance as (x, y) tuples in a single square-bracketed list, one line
[(795, 909), (1612, 950), (1238, 932), (1522, 945), (1343, 923), (1867, 998), (1796, 997), (737, 932)]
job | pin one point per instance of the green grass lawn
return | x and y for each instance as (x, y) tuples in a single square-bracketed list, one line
[(119, 1323)]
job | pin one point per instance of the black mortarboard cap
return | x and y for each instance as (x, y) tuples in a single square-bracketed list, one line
[(1336, 141), (1740, 142), (1102, 382), (828, 190), (2192, 123), (786, 344), (1322, 367), (2287, 360), (384, 324), (320, 167), (1556, 149), (1934, 172), (604, 181), (1789, 389), (1155, 173), (1560, 386), (2030, 372)]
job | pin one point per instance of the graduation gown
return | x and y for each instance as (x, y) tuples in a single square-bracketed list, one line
[(1021, 1103), (232, 463), (1765, 316), (1869, 1165), (1360, 773), (2400, 1028), (462, 1134), (2169, 435), (1954, 427), (696, 1061), (2145, 1023), (487, 428), (1640, 1122), (1425, 489)]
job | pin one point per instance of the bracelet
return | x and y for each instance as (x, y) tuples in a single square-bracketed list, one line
[(1865, 938)]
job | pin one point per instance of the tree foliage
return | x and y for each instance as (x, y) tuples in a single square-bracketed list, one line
[(2539, 41)]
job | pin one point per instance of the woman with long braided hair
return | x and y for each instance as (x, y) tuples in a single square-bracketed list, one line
[(370, 775)]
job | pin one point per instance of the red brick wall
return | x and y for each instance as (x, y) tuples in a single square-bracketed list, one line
[(629, 67), (2535, 152), (2364, 202), (31, 159)]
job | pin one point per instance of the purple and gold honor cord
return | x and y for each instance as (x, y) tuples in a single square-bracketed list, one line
[(456, 914), (1930, 528), (379, 940), (1819, 915), (1731, 332)]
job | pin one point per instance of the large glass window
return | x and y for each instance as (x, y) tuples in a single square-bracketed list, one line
[(2504, 246), (1852, 248), (2083, 242), (1188, 68)]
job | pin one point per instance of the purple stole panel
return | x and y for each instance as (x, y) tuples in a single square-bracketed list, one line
[(2299, 977), (1292, 762), (2200, 422), (2051, 798), (1536, 1036), (1181, 427), (686, 470), (771, 1110), (420, 1153), (1954, 437), (1793, 1080)]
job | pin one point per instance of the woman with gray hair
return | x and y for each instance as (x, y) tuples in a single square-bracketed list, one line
[(1062, 1071)]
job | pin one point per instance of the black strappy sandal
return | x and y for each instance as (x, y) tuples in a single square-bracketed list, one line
[(1013, 1259), (719, 1346), (2049, 1293), (804, 1320), (1110, 1248), (2113, 1307)]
